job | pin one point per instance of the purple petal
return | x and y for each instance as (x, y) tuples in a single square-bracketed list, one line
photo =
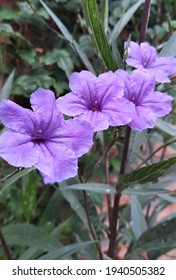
[(71, 104), (56, 161), (108, 86), (159, 76), (18, 149), (44, 105), (97, 120), (166, 65), (47, 179), (142, 84), (76, 135), (17, 118), (134, 51), (159, 103), (149, 55), (82, 82), (119, 111), (142, 118)]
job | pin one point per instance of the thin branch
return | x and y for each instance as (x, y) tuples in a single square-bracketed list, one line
[(108, 198), (157, 150), (90, 225), (5, 246)]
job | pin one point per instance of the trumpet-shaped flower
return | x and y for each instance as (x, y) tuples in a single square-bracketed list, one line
[(42, 138), (96, 100), (139, 88), (145, 57)]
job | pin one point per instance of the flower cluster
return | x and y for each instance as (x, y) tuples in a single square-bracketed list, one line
[(42, 138)]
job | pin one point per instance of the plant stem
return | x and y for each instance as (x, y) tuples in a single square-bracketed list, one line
[(90, 225), (117, 196), (145, 19), (114, 219), (108, 198), (5, 247)]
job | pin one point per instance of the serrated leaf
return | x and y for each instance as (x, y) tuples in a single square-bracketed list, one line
[(27, 235), (125, 18), (100, 41), (94, 187), (169, 48), (162, 236), (69, 38), (65, 251), (139, 224), (5, 91), (146, 174)]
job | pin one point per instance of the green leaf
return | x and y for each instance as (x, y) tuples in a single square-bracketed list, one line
[(65, 251), (150, 189), (94, 187), (139, 224), (92, 18), (169, 48), (105, 13), (26, 235), (5, 91), (50, 214), (168, 198), (166, 127), (74, 203), (69, 38), (28, 195), (14, 178), (125, 18), (162, 236), (146, 174)]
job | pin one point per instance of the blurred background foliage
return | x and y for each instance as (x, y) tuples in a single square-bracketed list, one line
[(40, 46)]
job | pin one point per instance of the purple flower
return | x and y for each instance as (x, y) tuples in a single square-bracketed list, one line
[(145, 57), (42, 138), (149, 105), (96, 100)]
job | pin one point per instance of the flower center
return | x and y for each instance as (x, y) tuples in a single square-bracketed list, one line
[(37, 137), (95, 106)]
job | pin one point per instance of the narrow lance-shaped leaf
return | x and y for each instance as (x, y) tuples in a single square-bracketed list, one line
[(94, 187), (146, 174), (169, 48), (65, 251), (5, 92), (92, 18), (139, 224)]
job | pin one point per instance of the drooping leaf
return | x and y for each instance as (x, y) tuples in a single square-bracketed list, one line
[(139, 224), (125, 18), (69, 38), (65, 251), (146, 174), (100, 41), (94, 187)]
